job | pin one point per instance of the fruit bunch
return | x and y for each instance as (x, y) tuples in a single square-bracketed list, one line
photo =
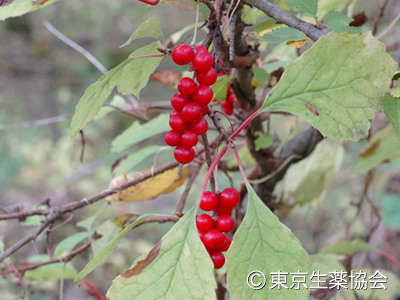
[(190, 105), (211, 229), (228, 104)]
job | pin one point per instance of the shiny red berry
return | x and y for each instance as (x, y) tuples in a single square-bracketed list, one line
[(189, 138), (192, 112), (172, 138), (231, 98), (225, 223), (182, 54), (201, 48), (202, 61), (229, 197), (204, 222), (218, 259), (177, 122), (174, 112), (186, 86), (184, 155), (213, 238), (205, 110), (227, 107), (201, 235), (223, 210), (208, 201), (203, 95), (200, 127), (178, 101), (224, 246), (207, 78)]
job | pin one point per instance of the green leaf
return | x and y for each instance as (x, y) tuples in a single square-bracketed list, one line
[(391, 107), (100, 258), (325, 6), (179, 269), (20, 7), (336, 21), (263, 243), (395, 92), (260, 75), (220, 88), (138, 132), (284, 34), (309, 179), (69, 243), (117, 101), (336, 85), (150, 28), (346, 247), (263, 140), (390, 206), (129, 77), (383, 146), (107, 230), (246, 158), (135, 158), (303, 6), (55, 271)]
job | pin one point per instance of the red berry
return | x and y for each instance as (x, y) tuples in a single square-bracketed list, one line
[(213, 238), (202, 61), (201, 48), (204, 222), (201, 235), (227, 107), (187, 86), (174, 112), (205, 110), (223, 210), (178, 101), (189, 138), (184, 155), (225, 223), (207, 78), (203, 95), (218, 259), (229, 197), (208, 201), (229, 90), (172, 138), (192, 112), (231, 98), (177, 123), (200, 127), (224, 246), (182, 54)]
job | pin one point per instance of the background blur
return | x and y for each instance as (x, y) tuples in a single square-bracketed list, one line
[(42, 79)]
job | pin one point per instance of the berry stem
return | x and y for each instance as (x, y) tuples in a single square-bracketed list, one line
[(239, 161), (207, 152), (196, 24), (244, 124)]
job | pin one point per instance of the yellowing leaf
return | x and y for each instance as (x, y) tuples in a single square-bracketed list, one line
[(299, 43), (163, 183)]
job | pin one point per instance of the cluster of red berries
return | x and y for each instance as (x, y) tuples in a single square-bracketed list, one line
[(190, 105), (211, 229), (228, 104)]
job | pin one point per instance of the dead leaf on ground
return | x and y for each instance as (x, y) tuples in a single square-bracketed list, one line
[(152, 187)]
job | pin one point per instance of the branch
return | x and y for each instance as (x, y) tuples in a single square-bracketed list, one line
[(286, 18)]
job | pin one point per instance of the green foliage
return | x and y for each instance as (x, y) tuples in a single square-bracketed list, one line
[(309, 179), (135, 158), (331, 86), (383, 146), (390, 205), (20, 7), (336, 21), (284, 34), (179, 269), (392, 286), (138, 132), (263, 140), (129, 77), (263, 243), (220, 88), (69, 243), (150, 28), (391, 107), (345, 247), (100, 258), (261, 75), (117, 101), (303, 6), (55, 271)]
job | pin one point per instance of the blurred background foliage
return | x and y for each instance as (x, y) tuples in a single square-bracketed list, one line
[(41, 78)]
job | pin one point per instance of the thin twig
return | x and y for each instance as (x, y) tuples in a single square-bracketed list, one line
[(389, 27), (37, 123), (286, 18), (182, 200), (379, 16), (209, 161)]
